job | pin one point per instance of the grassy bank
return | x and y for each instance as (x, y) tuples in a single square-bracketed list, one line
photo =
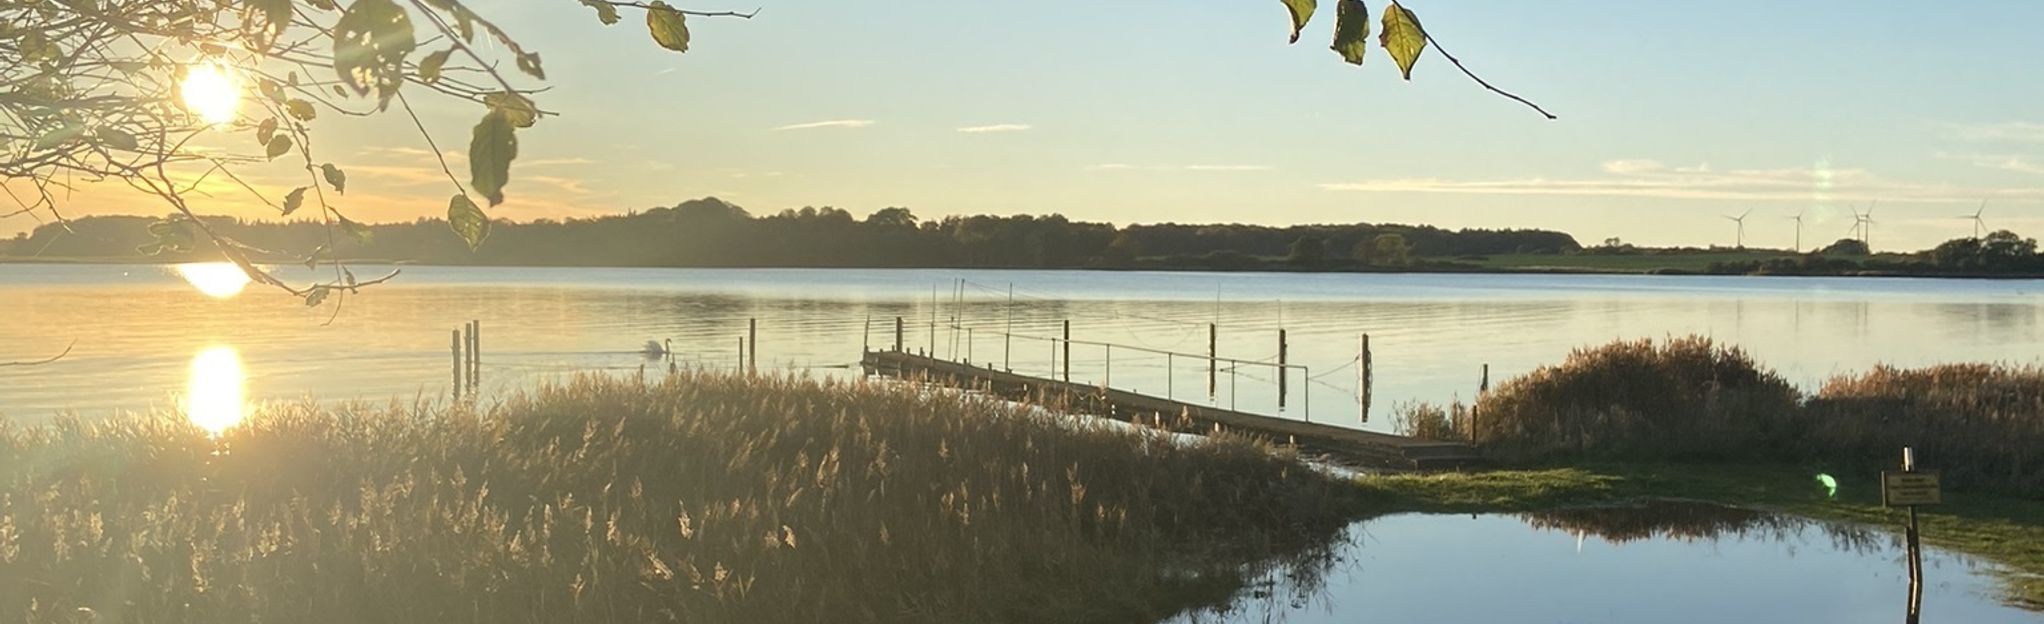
[(1690, 399), (2006, 530), (693, 498)]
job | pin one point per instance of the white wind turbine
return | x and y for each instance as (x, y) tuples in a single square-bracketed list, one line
[(1979, 225), (1741, 220)]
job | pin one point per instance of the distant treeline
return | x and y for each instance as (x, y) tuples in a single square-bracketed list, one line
[(710, 232)]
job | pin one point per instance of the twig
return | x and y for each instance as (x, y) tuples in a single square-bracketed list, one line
[(1480, 80), (67, 351)]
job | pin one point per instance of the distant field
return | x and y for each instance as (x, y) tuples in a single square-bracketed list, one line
[(1641, 263)]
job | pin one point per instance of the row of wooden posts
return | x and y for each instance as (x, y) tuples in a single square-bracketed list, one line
[(468, 362), (1062, 346)]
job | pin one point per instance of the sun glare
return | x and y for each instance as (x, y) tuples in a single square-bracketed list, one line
[(214, 393), (212, 92), (218, 280)]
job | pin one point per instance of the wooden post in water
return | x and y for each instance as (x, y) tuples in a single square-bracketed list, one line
[(1008, 335), (454, 341), (1363, 377), (741, 355), (1169, 370), (752, 345), (1475, 408), (897, 334), (1068, 350), (1107, 370), (475, 356), (1912, 537), (1282, 372), (1213, 340)]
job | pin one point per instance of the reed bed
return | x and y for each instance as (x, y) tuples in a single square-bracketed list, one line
[(696, 497), (1692, 399)]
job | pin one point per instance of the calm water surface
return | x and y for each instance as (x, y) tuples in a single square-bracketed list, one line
[(1666, 562), (146, 337)]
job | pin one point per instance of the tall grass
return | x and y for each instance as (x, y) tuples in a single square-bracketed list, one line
[(698, 497), (1692, 399), (1980, 423), (1683, 398)]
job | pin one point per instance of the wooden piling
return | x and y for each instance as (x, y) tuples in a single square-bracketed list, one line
[(1213, 343), (752, 345), (1068, 350), (454, 342), (475, 356), (1363, 377), (1282, 372), (897, 334)]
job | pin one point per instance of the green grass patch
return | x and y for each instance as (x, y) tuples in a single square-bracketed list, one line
[(2005, 530)]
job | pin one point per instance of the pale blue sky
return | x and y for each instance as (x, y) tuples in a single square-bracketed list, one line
[(1672, 114)]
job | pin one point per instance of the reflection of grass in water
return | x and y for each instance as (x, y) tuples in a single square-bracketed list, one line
[(2004, 530), (697, 498)]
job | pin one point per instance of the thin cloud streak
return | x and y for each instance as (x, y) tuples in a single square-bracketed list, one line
[(2004, 132), (1207, 168), (834, 123), (1651, 179), (1006, 127)]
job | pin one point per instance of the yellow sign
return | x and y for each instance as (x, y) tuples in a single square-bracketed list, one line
[(1905, 489)]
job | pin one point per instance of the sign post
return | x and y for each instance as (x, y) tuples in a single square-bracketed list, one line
[(1911, 488)]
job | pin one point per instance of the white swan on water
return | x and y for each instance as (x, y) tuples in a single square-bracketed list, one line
[(658, 348)]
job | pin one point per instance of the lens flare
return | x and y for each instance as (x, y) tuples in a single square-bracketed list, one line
[(212, 91), (218, 280), (1830, 485), (214, 394)]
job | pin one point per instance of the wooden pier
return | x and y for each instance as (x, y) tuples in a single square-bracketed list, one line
[(1342, 443)]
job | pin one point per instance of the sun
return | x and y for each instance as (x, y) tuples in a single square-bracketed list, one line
[(218, 280), (212, 91)]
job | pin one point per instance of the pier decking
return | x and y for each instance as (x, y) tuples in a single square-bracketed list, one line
[(1365, 447)]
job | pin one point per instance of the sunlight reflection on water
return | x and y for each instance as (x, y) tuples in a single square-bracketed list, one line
[(215, 396), (219, 280)]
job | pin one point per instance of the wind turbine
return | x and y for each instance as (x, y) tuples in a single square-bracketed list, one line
[(1741, 220), (1866, 232), (1799, 230), (1979, 225)]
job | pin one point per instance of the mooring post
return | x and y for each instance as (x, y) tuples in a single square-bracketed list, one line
[(1284, 373), (752, 345), (475, 356), (1476, 408), (1363, 377), (741, 355), (897, 334), (1107, 369), (454, 341), (1914, 546), (1213, 335), (1068, 350)]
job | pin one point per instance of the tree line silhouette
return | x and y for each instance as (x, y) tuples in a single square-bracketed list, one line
[(711, 232)]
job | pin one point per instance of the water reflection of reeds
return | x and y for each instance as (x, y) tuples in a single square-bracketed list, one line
[(1692, 521)]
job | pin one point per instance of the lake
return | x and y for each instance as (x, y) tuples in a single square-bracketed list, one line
[(147, 337), (1660, 562)]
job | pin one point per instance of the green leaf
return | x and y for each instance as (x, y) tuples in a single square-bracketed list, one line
[(468, 221), (317, 295), (116, 139), (1351, 30), (278, 146), (604, 11), (371, 41), (1402, 37), (301, 110), (270, 89), (429, 67), (359, 232), (335, 177), (59, 136), (529, 63), (294, 200), (1302, 12), (266, 130), (670, 27), (490, 153), (516, 108)]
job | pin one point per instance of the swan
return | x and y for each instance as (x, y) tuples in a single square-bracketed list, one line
[(658, 349)]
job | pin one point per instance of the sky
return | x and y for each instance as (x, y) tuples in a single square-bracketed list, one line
[(1672, 116)]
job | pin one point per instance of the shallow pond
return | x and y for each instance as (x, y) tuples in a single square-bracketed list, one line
[(1664, 562)]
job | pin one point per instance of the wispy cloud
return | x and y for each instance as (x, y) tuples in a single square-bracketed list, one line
[(834, 123), (2004, 162), (2004, 132), (1208, 168), (1006, 127), (1652, 179)]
